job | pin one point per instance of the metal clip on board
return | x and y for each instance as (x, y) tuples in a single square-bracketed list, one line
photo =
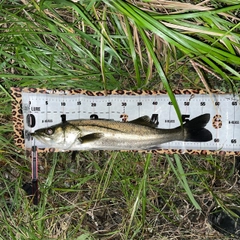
[(35, 175)]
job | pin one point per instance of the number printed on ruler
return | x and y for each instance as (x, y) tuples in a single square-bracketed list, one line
[(44, 110)]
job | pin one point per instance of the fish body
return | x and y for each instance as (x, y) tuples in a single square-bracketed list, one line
[(102, 134)]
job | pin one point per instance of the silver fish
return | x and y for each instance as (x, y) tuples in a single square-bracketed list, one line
[(102, 134)]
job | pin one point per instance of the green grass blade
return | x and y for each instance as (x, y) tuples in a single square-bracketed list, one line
[(44, 196), (189, 45), (179, 172), (161, 73), (133, 53)]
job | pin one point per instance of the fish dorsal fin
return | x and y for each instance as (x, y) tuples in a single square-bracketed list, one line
[(144, 121)]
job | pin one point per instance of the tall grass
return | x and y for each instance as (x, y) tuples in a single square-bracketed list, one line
[(99, 45)]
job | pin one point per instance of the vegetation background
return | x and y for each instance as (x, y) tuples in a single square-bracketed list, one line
[(116, 44)]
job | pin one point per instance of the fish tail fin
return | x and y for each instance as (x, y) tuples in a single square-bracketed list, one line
[(194, 130)]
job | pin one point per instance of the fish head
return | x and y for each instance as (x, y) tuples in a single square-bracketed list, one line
[(60, 136)]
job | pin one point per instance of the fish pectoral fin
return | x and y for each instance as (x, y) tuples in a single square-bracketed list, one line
[(90, 137), (144, 121)]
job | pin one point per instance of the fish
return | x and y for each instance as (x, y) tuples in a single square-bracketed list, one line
[(104, 134)]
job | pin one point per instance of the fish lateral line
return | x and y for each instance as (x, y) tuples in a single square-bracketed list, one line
[(94, 125)]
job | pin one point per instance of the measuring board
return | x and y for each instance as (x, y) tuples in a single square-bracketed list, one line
[(41, 108)]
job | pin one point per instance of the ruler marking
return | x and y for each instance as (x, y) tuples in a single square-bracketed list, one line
[(111, 107)]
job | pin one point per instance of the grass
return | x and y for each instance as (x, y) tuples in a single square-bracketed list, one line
[(99, 45)]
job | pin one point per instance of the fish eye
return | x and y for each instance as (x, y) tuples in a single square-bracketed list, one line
[(49, 131)]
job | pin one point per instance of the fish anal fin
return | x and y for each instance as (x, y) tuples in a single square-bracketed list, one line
[(90, 137)]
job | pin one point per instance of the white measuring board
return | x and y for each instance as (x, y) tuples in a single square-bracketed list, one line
[(42, 110)]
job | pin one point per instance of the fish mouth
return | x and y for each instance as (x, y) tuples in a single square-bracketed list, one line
[(40, 137), (37, 134)]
